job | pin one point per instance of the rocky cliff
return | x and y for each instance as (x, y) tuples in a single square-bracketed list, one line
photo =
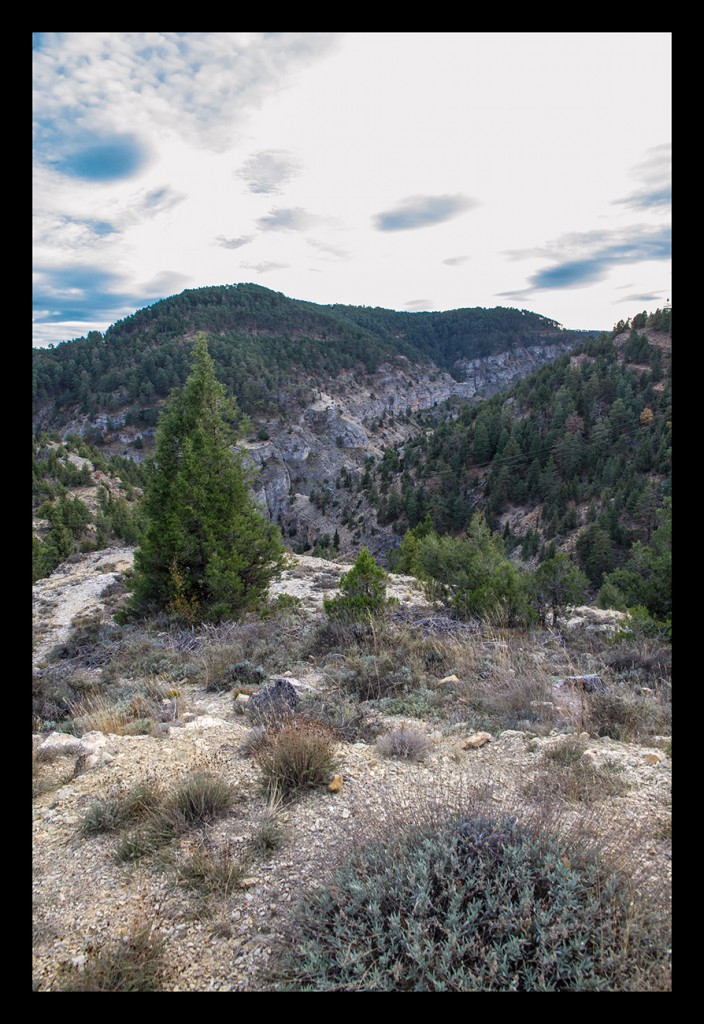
[(301, 462), (308, 457)]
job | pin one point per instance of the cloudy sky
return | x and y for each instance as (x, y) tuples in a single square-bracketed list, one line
[(414, 171)]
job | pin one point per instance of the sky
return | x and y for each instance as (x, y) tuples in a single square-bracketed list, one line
[(408, 170)]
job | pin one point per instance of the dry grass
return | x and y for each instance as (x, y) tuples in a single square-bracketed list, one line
[(569, 774), (138, 714), (131, 964), (122, 806), (50, 769), (211, 868), (298, 754), (406, 743)]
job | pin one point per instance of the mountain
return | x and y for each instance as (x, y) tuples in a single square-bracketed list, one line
[(328, 388), (575, 456), (265, 343)]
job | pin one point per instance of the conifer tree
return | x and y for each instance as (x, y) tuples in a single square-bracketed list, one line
[(363, 590), (208, 551)]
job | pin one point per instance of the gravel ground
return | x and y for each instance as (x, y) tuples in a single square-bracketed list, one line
[(84, 899)]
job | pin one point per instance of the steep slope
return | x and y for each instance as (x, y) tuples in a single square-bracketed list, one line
[(328, 388), (577, 453)]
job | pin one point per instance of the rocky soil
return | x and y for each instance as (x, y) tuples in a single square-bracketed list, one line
[(83, 898)]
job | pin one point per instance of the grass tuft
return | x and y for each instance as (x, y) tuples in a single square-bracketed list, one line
[(299, 754)]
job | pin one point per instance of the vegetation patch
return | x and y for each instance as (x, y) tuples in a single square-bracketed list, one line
[(570, 774), (297, 755), (131, 964), (474, 903), (406, 743)]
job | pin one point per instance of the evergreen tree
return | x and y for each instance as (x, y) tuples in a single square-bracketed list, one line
[(363, 590), (208, 551), (556, 583)]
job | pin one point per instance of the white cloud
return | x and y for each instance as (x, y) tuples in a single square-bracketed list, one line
[(495, 164)]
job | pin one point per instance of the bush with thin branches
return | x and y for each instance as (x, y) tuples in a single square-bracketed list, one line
[(296, 755)]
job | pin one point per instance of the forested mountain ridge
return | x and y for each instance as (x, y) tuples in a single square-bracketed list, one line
[(264, 342), (576, 457), (359, 434), (327, 388)]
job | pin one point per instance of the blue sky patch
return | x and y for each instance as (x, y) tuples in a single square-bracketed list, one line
[(122, 156), (423, 212)]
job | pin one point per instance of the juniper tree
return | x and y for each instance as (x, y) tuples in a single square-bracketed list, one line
[(207, 551), (363, 590)]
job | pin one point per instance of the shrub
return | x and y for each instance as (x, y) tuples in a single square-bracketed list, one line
[(371, 676), (624, 716), (243, 673), (477, 903), (405, 742), (473, 575), (136, 716), (363, 590), (503, 701), (198, 800), (212, 869), (132, 964), (106, 814), (297, 755), (267, 834), (571, 776), (201, 798)]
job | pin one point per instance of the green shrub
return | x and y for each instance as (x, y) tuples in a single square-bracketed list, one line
[(363, 590), (106, 814), (201, 798), (473, 904), (472, 575)]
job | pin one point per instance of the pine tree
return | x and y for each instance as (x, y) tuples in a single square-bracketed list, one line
[(363, 590), (208, 551)]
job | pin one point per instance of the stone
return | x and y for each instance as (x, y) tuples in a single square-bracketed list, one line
[(279, 699), (61, 743), (653, 758), (477, 740), (288, 678), (591, 683)]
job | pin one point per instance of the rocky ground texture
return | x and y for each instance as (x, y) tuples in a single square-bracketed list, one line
[(83, 898)]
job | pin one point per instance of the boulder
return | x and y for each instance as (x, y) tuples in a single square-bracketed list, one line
[(277, 700)]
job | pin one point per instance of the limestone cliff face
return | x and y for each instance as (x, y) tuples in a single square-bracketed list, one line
[(299, 467), (309, 453)]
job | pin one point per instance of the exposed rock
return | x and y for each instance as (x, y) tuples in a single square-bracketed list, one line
[(598, 620), (589, 683), (60, 743), (278, 699), (477, 740)]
